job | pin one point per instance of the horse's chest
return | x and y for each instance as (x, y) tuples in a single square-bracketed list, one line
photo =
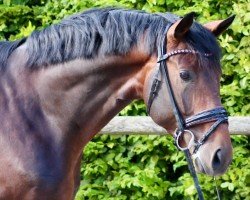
[(31, 175)]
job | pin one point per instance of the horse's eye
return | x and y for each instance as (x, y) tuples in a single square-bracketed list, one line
[(185, 75)]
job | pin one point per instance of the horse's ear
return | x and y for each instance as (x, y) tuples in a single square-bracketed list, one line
[(219, 26), (183, 26)]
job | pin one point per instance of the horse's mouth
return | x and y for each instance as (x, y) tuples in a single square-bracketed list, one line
[(198, 166)]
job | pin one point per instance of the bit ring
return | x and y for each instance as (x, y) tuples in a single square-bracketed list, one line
[(191, 141)]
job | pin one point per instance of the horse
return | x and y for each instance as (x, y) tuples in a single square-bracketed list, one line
[(61, 85)]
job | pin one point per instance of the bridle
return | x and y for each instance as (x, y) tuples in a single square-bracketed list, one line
[(217, 115)]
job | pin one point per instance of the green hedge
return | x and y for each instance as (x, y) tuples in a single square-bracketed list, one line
[(150, 167)]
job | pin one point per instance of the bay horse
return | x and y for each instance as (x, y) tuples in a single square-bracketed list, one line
[(62, 84)]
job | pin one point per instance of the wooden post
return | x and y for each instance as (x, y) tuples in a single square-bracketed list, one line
[(145, 126)]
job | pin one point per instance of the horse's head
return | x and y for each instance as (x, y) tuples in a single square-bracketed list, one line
[(194, 75)]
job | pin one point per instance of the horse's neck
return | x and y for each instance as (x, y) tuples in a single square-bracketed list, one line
[(75, 99), (83, 95)]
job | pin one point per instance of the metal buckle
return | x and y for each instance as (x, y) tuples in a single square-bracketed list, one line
[(191, 141)]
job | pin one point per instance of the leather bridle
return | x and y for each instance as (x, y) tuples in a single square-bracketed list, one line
[(217, 115)]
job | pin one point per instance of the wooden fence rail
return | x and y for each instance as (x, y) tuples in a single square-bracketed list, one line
[(145, 126)]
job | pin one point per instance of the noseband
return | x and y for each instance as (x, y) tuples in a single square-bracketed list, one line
[(217, 115)]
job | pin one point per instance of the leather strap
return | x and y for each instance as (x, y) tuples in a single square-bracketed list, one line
[(164, 70)]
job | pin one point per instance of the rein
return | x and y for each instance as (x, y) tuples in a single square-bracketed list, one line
[(217, 115)]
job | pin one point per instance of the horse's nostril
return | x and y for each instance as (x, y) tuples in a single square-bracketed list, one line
[(216, 163)]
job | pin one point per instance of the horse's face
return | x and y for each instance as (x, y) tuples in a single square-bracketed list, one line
[(196, 88)]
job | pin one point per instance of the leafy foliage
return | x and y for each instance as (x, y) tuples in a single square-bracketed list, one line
[(150, 167)]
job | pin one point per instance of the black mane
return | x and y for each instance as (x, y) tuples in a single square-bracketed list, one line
[(6, 48), (108, 31)]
